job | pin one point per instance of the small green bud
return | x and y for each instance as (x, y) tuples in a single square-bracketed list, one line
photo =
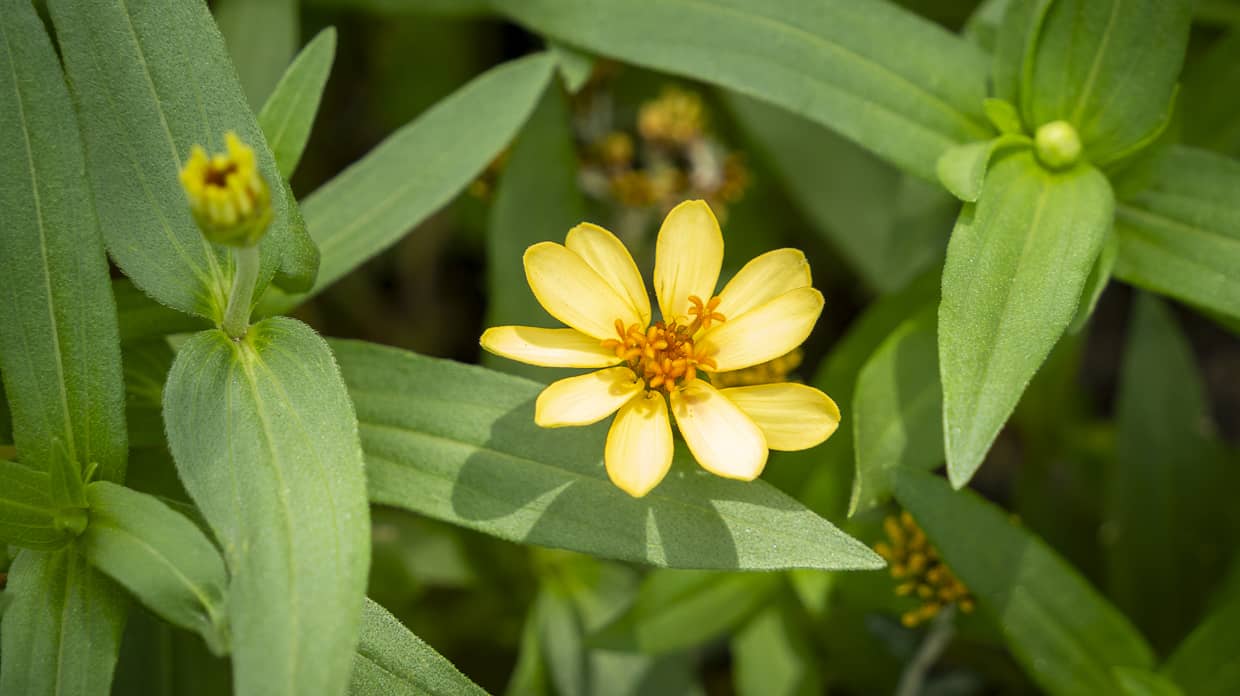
[(70, 520), (1057, 144), (228, 195)]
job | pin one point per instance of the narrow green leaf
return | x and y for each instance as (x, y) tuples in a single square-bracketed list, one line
[(27, 516), (1167, 484), (1016, 35), (1003, 116), (265, 441), (158, 659), (141, 317), (772, 657), (434, 8), (962, 168), (575, 67), (67, 480), (1097, 282), (1210, 98), (417, 170), (62, 632), (681, 609), (1142, 682), (1065, 634), (458, 443), (1016, 267), (847, 66), (300, 264), (59, 346), (147, 363), (1205, 663), (1181, 236), (289, 112), (1082, 66), (262, 37), (160, 556), (151, 80), (392, 661), (897, 410)]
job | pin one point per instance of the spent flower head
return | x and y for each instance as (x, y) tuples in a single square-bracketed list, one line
[(592, 284), (228, 196)]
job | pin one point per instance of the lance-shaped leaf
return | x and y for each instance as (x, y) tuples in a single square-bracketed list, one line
[(773, 656), (417, 170), (391, 660), (59, 346), (141, 317), (151, 80), (879, 75), (27, 515), (1083, 64), (289, 112), (62, 631), (160, 556), (1205, 663), (1067, 636), (265, 441), (261, 36), (1181, 236), (458, 443), (1016, 266), (1212, 94)]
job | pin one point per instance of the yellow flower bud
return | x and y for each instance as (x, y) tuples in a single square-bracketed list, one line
[(228, 196)]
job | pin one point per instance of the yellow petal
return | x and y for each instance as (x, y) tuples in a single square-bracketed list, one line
[(687, 258), (763, 279), (791, 416), (606, 254), (639, 445), (574, 293), (585, 399), (763, 333), (722, 438), (547, 347)]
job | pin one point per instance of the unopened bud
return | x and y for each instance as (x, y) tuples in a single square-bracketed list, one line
[(228, 196), (1058, 146)]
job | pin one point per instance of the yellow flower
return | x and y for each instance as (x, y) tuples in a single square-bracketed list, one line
[(592, 284), (228, 196)]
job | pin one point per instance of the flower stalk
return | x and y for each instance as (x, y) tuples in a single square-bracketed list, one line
[(237, 314)]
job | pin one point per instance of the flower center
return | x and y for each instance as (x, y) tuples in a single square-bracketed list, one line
[(663, 353)]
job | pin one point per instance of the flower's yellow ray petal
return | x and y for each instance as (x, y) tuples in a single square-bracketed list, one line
[(547, 347), (574, 293), (639, 445), (606, 254), (585, 399), (722, 438), (791, 416), (763, 279), (688, 256), (763, 333)]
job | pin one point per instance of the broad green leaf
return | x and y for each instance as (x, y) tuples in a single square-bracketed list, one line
[(417, 170), (261, 36), (1205, 663), (59, 347), (897, 410), (160, 556), (1084, 63), (265, 441), (888, 227), (1167, 485), (151, 79), (1209, 98), (881, 76), (458, 443), (1181, 236), (772, 657), (1065, 634), (289, 112), (962, 169), (681, 609), (27, 516), (537, 198), (1142, 682), (1096, 284), (392, 661), (1016, 267), (62, 632), (140, 317)]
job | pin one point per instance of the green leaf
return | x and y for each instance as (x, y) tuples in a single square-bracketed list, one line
[(151, 80), (1167, 485), (300, 264), (67, 480), (773, 657), (888, 227), (897, 410), (1142, 682), (1065, 634), (537, 198), (289, 112), (434, 8), (1016, 35), (62, 632), (1097, 282), (146, 368), (158, 659), (1016, 267), (140, 317), (680, 609), (417, 170), (575, 67), (1181, 236), (1083, 67), (27, 516), (1003, 116), (1205, 663), (59, 346), (962, 168), (160, 556), (458, 443), (265, 441), (392, 661), (262, 37), (846, 66), (1209, 98)]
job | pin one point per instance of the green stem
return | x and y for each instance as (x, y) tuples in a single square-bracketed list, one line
[(941, 630), (237, 315)]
